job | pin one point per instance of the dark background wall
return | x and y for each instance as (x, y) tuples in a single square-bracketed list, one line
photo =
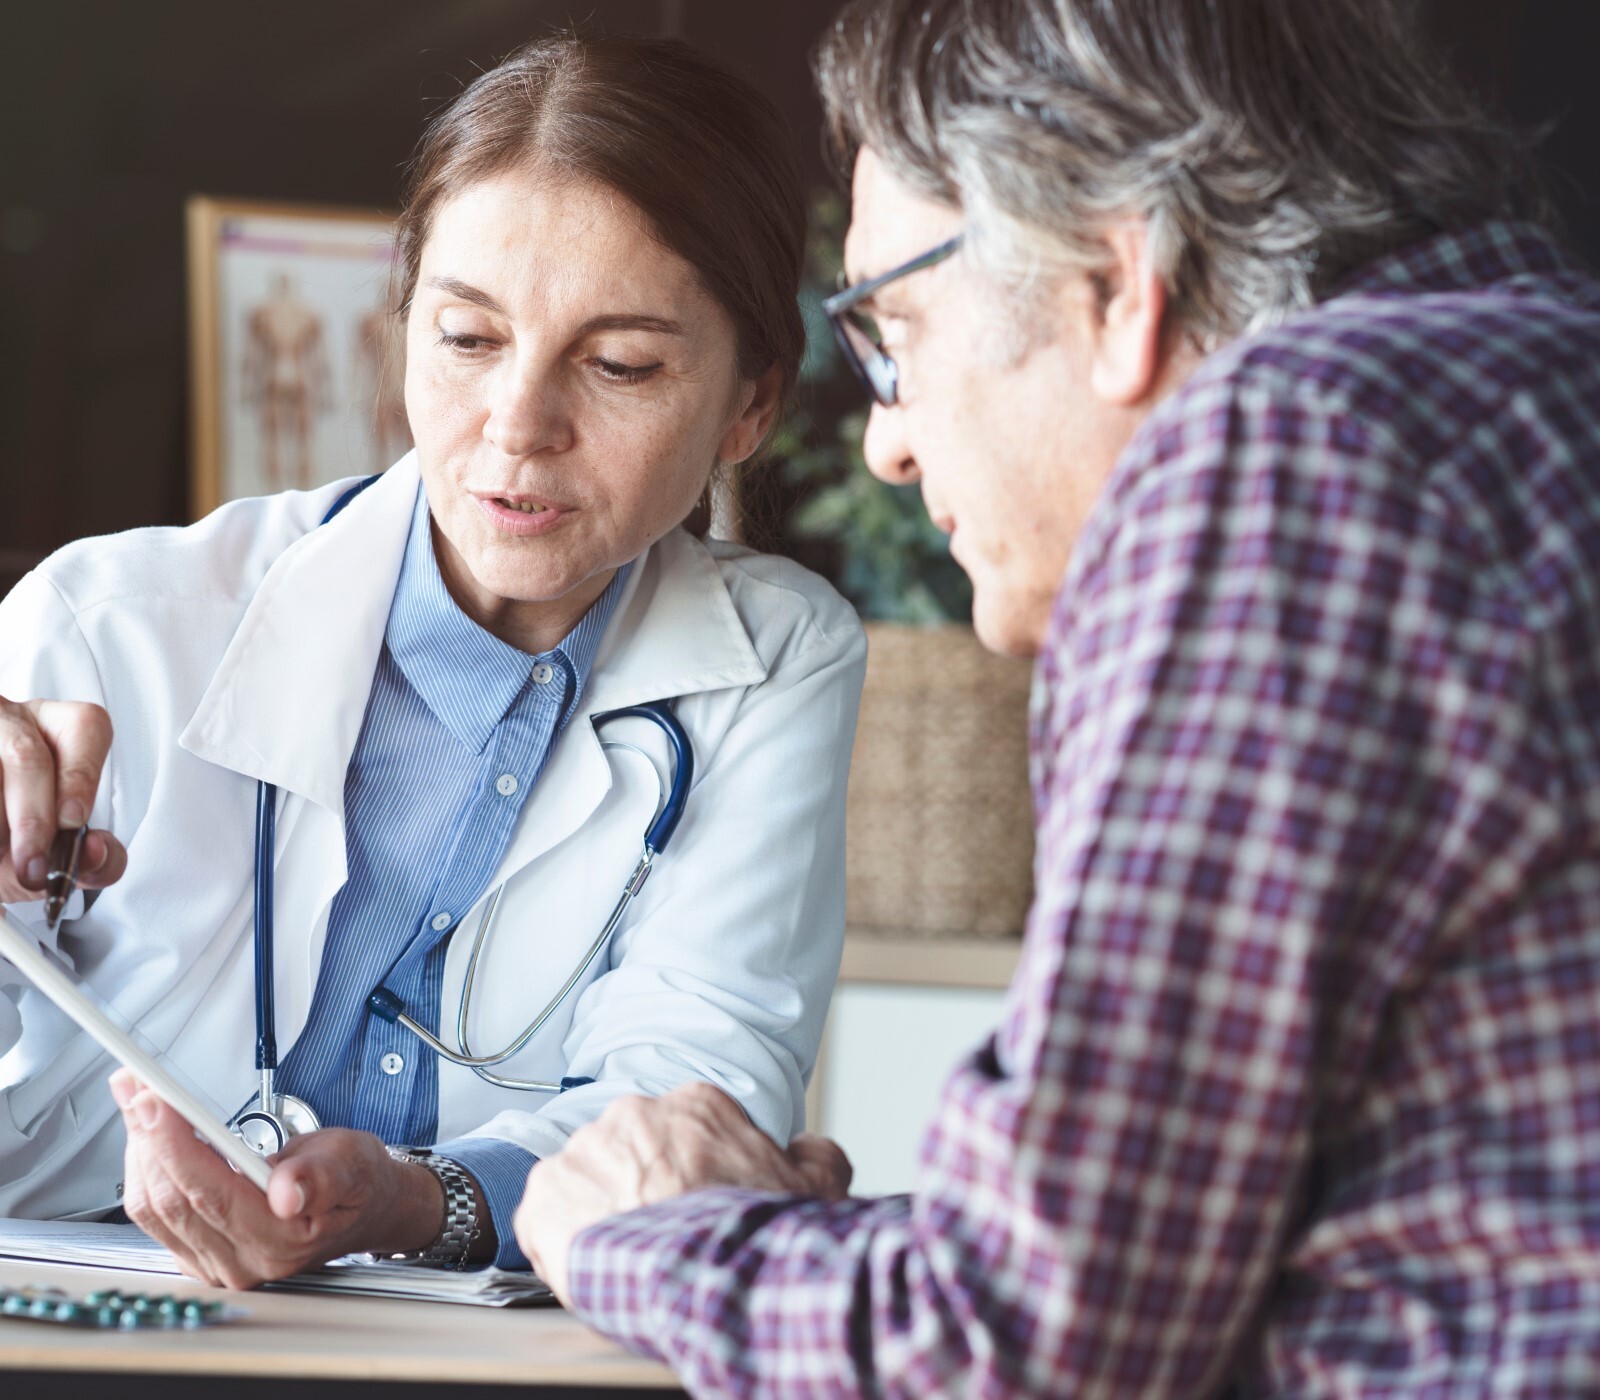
[(112, 113)]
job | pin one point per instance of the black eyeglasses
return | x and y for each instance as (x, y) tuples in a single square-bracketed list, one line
[(857, 332)]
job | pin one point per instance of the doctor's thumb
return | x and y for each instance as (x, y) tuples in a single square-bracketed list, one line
[(286, 1193)]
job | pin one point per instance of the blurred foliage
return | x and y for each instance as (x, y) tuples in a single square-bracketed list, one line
[(889, 559)]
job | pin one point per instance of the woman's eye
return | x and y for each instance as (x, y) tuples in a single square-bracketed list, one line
[(624, 374), (465, 344)]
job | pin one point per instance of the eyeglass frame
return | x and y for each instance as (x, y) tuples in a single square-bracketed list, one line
[(838, 307)]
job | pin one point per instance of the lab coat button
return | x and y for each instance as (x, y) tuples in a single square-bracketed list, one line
[(542, 673), (506, 784), (440, 922), (392, 1063)]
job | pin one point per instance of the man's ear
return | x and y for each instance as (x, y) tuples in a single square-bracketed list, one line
[(746, 431), (1126, 332)]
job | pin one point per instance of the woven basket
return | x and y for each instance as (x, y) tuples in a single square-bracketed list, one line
[(940, 820)]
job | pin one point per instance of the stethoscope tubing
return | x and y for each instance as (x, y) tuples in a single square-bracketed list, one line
[(384, 1004), (280, 1114), (479, 1064)]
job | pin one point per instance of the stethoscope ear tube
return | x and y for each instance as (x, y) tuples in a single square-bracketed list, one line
[(659, 713)]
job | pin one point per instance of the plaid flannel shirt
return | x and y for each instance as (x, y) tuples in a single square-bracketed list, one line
[(1297, 1088)]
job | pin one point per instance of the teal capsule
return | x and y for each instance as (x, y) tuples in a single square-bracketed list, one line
[(69, 1312), (14, 1305), (129, 1319), (107, 1316), (98, 1297), (41, 1307)]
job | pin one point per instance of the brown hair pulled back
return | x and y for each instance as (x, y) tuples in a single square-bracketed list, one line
[(706, 158)]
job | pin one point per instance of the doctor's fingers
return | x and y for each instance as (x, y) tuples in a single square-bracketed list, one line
[(179, 1190), (52, 753), (144, 1188)]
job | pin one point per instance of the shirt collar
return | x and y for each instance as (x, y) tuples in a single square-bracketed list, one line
[(1498, 251), (465, 675)]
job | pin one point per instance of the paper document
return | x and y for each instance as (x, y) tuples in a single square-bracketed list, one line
[(128, 1247), (23, 952)]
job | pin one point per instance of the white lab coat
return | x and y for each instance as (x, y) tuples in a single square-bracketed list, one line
[(243, 648)]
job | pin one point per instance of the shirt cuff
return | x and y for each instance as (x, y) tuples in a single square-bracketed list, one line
[(501, 1170)]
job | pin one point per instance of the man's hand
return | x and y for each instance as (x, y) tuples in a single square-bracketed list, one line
[(332, 1192), (51, 754), (640, 1151)]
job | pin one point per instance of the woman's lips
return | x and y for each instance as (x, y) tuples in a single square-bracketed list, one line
[(521, 515)]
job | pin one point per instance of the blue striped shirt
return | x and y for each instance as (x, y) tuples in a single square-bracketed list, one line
[(457, 730)]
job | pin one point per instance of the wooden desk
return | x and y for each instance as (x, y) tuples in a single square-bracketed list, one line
[(312, 1344)]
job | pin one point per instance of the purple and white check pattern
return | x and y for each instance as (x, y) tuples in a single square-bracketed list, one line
[(1297, 1089)]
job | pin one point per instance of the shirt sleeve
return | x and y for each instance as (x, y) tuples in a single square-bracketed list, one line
[(1278, 734), (43, 655), (501, 1170)]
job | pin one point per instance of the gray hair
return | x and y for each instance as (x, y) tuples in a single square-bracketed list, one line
[(1271, 146)]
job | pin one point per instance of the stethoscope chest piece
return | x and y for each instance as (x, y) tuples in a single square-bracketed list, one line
[(265, 1133)]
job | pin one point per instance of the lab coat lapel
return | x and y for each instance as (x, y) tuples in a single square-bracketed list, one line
[(286, 705), (287, 701), (675, 633)]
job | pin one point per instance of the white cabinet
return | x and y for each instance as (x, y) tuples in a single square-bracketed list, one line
[(906, 1011)]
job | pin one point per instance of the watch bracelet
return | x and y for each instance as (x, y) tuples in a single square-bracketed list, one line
[(459, 1226)]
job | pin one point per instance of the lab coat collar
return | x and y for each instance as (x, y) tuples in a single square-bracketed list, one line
[(675, 632), (286, 704)]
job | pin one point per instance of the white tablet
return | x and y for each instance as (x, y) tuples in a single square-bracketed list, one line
[(24, 953)]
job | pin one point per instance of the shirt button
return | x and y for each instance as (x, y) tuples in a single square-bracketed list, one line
[(440, 922), (542, 673), (506, 784), (392, 1063)]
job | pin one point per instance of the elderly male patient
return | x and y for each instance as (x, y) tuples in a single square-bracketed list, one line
[(1228, 348)]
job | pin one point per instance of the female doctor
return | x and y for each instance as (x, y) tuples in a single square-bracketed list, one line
[(599, 258)]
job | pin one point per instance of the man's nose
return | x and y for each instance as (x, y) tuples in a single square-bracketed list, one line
[(528, 414), (885, 448)]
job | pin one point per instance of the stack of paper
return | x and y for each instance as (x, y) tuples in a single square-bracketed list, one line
[(128, 1247)]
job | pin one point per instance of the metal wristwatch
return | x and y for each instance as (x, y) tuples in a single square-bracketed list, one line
[(460, 1226)]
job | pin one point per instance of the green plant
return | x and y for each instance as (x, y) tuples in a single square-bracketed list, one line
[(888, 558)]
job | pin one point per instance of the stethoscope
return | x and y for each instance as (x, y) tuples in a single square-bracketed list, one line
[(277, 1117)]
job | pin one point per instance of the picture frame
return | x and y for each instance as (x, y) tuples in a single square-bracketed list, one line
[(296, 358)]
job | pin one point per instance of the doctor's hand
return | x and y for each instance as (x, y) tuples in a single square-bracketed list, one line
[(332, 1192), (51, 754), (642, 1150)]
